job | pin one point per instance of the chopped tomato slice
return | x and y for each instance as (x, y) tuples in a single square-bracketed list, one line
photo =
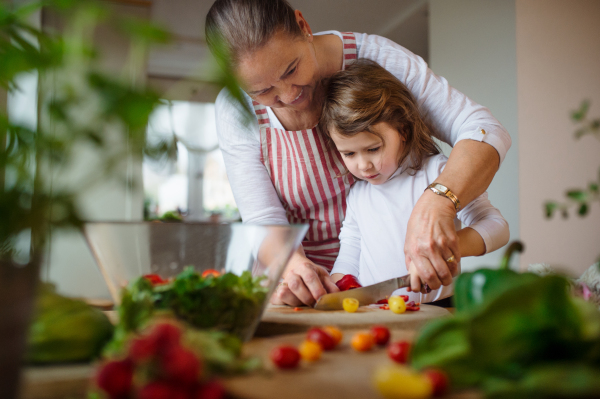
[(348, 282), (155, 279), (210, 272)]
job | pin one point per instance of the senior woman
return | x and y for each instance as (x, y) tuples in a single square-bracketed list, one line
[(281, 170)]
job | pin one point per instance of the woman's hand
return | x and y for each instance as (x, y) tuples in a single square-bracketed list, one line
[(430, 240), (303, 283)]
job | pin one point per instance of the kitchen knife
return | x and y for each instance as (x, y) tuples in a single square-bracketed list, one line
[(365, 295)]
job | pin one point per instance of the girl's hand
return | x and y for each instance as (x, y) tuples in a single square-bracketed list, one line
[(430, 240), (304, 282)]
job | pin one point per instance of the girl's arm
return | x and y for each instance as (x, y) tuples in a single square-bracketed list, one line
[(348, 260), (485, 230), (470, 242)]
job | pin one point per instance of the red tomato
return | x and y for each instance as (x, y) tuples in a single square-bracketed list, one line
[(210, 272), (399, 351), (439, 381), (381, 335), (155, 279), (348, 282), (319, 336), (285, 357)]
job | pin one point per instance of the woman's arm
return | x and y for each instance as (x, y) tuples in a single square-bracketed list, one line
[(239, 141), (258, 202)]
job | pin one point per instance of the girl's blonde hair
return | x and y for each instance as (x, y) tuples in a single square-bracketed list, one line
[(365, 94)]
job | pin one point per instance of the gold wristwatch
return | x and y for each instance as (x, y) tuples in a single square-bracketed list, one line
[(444, 191)]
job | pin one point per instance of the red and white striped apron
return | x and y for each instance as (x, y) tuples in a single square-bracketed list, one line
[(307, 175)]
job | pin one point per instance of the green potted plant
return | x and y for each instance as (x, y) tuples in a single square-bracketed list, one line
[(79, 107)]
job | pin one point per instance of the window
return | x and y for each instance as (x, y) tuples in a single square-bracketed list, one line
[(194, 185)]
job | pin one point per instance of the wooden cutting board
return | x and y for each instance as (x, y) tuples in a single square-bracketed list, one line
[(278, 320)]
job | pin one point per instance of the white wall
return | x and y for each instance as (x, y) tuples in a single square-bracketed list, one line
[(473, 45), (558, 53)]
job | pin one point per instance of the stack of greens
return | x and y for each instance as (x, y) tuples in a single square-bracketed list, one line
[(516, 336)]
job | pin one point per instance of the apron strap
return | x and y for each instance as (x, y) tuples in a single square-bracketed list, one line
[(349, 48), (261, 113)]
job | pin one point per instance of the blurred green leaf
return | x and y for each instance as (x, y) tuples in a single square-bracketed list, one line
[(550, 208), (577, 195), (580, 114), (593, 187), (144, 31), (583, 210)]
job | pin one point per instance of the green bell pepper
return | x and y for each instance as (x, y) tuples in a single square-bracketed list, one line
[(473, 289)]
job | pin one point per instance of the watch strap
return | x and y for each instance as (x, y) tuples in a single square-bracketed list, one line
[(444, 191)]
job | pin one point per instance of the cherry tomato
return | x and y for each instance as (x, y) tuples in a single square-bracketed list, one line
[(394, 382), (399, 351), (363, 341), (210, 272), (320, 337), (348, 282), (350, 305), (310, 350), (285, 357), (439, 381), (397, 304), (155, 279), (335, 333), (381, 335)]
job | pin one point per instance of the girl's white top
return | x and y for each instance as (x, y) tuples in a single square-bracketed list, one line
[(452, 116), (374, 230)]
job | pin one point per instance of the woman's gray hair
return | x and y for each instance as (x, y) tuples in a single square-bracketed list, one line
[(243, 26)]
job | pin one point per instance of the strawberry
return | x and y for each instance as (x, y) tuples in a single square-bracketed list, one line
[(165, 335), (115, 378), (155, 390), (143, 349), (210, 390), (181, 365)]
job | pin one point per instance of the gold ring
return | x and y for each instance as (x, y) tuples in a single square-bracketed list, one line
[(451, 259), (282, 284)]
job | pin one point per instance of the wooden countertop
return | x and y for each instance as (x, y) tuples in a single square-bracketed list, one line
[(342, 373)]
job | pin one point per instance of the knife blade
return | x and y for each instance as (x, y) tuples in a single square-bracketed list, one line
[(365, 295)]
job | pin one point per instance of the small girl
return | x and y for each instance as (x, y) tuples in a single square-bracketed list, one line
[(374, 122)]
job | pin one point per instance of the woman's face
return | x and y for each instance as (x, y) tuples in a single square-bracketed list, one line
[(283, 73), (366, 156)]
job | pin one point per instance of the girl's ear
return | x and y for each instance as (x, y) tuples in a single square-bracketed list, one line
[(402, 133)]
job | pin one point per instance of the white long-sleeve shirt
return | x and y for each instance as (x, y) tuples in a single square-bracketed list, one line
[(451, 114), (374, 230)]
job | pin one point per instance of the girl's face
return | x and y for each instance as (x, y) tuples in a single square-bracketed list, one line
[(283, 73), (365, 155)]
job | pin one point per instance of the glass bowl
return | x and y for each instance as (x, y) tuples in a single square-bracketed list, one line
[(126, 251)]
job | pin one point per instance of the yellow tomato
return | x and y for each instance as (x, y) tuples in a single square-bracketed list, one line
[(363, 341), (335, 333), (350, 305), (397, 304), (395, 382), (310, 350)]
